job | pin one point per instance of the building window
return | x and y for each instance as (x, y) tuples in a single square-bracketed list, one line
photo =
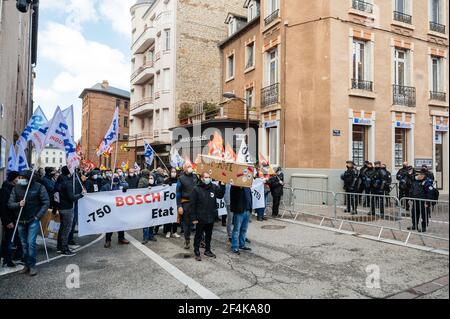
[(272, 67), (3, 155), (272, 11), (437, 79), (401, 67), (249, 97), (118, 103), (402, 11), (232, 26), (167, 40), (126, 105), (54, 160), (250, 54), (253, 10), (361, 66), (272, 145), (125, 121), (166, 80), (404, 94), (165, 119), (230, 67), (359, 145), (60, 160), (46, 160), (400, 147)]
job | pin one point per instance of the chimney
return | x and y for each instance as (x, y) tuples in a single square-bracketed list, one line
[(105, 84)]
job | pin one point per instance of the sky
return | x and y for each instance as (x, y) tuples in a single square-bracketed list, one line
[(81, 43)]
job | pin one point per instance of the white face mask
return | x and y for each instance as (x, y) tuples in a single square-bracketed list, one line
[(174, 175), (22, 182), (190, 170), (151, 181)]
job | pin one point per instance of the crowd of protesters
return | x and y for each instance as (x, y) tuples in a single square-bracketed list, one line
[(375, 182), (59, 192)]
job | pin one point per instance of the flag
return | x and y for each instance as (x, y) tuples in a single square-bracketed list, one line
[(79, 150), (216, 146), (125, 166), (35, 131), (149, 154), (175, 159), (12, 160), (230, 155), (22, 163), (59, 136), (243, 157), (137, 167), (111, 136), (68, 115), (266, 165)]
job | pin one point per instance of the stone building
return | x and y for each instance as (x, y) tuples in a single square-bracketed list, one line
[(50, 157), (99, 105), (175, 64), (18, 52), (339, 80)]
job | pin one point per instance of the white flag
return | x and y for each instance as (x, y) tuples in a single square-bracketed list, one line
[(243, 157), (258, 196), (175, 158), (35, 131), (22, 163), (149, 154), (68, 114), (12, 161), (111, 136), (59, 136)]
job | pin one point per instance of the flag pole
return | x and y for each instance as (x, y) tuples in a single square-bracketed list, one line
[(115, 161)]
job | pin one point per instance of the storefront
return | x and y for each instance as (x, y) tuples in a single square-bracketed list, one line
[(402, 139), (361, 137)]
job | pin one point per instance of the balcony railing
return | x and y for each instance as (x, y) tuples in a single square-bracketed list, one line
[(404, 95), (402, 17), (272, 17), (270, 95), (362, 6), (438, 96), (140, 69), (437, 27), (362, 85), (138, 104)]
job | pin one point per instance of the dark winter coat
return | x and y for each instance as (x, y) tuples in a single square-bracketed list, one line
[(240, 199), (350, 178), (132, 182), (185, 186), (36, 205), (203, 202), (7, 215), (67, 194), (276, 188)]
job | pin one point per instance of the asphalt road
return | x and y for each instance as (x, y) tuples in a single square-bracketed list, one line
[(287, 261)]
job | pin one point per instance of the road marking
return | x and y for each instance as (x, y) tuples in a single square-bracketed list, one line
[(174, 271), (19, 268)]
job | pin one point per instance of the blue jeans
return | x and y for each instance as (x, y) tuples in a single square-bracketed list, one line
[(148, 233), (28, 234), (240, 227), (260, 212)]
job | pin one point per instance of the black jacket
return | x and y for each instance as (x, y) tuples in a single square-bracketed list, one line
[(378, 179), (132, 182), (7, 215), (276, 188), (90, 185), (203, 202), (49, 185), (67, 195), (350, 178), (240, 199), (185, 186), (36, 205), (170, 181)]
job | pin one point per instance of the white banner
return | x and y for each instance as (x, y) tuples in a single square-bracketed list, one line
[(221, 205), (258, 194), (107, 212)]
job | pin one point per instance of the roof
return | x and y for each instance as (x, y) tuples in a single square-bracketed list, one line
[(109, 90), (251, 23), (247, 3), (235, 15)]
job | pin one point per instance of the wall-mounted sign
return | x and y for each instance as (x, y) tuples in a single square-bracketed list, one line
[(441, 128), (362, 121), (406, 125), (438, 138), (424, 161), (270, 124), (336, 132)]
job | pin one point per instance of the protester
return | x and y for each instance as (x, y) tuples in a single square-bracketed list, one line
[(186, 183), (95, 181), (241, 206), (78, 189), (144, 182), (132, 179), (170, 230), (276, 184), (9, 219), (114, 185), (159, 176), (34, 207), (67, 196), (203, 210), (350, 178), (49, 182)]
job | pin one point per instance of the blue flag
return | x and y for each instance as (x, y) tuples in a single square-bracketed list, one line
[(22, 163), (12, 160), (149, 154)]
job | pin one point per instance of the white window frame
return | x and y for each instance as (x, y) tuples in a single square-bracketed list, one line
[(407, 66), (407, 6), (250, 94), (357, 51), (440, 11), (268, 67), (167, 44), (166, 79), (232, 26), (231, 71), (252, 10), (247, 47), (272, 6), (440, 72)]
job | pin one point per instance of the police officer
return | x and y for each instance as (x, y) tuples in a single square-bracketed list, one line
[(387, 186), (366, 181), (350, 178), (429, 174), (420, 190), (378, 182), (404, 182)]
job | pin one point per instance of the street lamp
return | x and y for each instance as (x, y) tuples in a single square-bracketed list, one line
[(232, 96)]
